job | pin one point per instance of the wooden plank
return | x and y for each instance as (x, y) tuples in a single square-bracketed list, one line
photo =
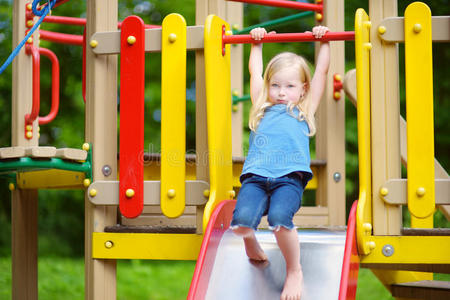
[(109, 42), (330, 137), (397, 191), (24, 204), (106, 192), (161, 220), (40, 152), (424, 289), (394, 29), (71, 154), (12, 152), (101, 133)]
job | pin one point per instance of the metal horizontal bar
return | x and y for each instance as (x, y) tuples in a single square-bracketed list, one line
[(289, 37), (285, 4), (109, 42)]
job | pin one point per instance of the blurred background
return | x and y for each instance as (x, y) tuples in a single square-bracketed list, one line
[(61, 213)]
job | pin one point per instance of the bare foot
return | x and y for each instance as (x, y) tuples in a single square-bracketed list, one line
[(253, 249), (293, 285)]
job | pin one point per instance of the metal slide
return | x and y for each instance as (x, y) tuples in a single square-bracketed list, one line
[(233, 276), (329, 260)]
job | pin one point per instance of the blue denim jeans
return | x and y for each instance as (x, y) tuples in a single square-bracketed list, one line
[(278, 198)]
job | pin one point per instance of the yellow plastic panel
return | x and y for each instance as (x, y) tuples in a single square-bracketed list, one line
[(218, 105), (146, 246), (410, 250), (173, 115), (50, 179), (362, 56), (419, 114)]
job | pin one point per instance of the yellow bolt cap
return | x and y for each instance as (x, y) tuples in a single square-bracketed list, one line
[(384, 191), (93, 43), (30, 23), (93, 193), (235, 26), (171, 193), (371, 245), (172, 37), (417, 28), (129, 193), (30, 40), (367, 227), (337, 95), (11, 187), (29, 127), (368, 46), (319, 17), (421, 192), (381, 29), (206, 193), (87, 182), (86, 147), (109, 244), (29, 134), (235, 108), (367, 24), (232, 194), (337, 77), (29, 6), (131, 40)]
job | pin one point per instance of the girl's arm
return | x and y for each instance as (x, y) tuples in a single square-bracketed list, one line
[(320, 75), (255, 64)]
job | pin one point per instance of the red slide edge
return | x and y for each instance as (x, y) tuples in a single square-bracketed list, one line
[(350, 265), (219, 222)]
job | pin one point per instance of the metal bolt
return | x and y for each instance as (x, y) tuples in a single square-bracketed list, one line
[(109, 244), (381, 29), (417, 28), (131, 39), (172, 37), (106, 170), (171, 193), (388, 250), (337, 177), (420, 192), (129, 193)]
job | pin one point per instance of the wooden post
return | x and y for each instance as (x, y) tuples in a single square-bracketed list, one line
[(24, 206), (101, 132), (386, 165), (330, 138), (234, 18)]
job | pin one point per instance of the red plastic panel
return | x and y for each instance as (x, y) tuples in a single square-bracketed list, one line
[(132, 67), (350, 266), (218, 223)]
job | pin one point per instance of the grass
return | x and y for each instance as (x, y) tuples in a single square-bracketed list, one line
[(63, 278)]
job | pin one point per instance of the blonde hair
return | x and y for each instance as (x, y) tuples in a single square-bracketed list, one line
[(277, 63)]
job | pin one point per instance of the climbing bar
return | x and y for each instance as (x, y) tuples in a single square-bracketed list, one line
[(286, 4), (62, 38), (55, 86), (132, 72), (65, 20), (240, 99), (35, 53), (289, 37), (275, 22)]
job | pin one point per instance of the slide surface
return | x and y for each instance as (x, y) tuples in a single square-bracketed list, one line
[(233, 276)]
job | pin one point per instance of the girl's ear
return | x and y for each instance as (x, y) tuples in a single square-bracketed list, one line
[(305, 86)]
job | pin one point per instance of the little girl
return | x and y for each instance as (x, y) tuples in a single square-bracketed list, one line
[(277, 167)]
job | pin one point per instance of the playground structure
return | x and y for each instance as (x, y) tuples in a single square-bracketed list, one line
[(170, 210)]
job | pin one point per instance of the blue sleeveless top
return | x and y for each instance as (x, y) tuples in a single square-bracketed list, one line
[(279, 146)]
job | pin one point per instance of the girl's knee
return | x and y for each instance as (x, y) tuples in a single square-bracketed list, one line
[(242, 231)]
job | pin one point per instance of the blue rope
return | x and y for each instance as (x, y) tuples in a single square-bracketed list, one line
[(42, 13)]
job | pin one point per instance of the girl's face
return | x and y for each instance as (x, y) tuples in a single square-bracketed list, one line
[(285, 86)]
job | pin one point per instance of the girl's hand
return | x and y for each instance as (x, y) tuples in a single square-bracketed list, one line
[(319, 31), (259, 33)]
